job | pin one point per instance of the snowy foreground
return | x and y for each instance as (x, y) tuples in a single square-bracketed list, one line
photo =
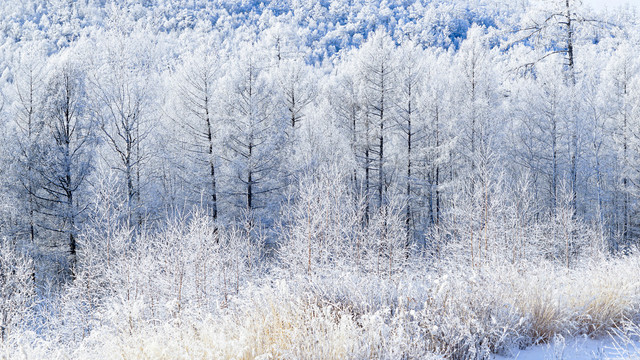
[(582, 348), (314, 300)]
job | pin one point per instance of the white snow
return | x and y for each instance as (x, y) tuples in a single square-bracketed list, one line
[(610, 4), (582, 348)]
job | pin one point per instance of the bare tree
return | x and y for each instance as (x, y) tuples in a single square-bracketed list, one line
[(197, 89), (410, 119), (122, 102), (69, 160), (378, 75), (255, 135), (29, 121)]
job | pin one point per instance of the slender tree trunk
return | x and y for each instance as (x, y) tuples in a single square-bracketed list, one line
[(381, 155), (30, 170), (625, 164), (367, 169), (554, 164), (409, 134), (574, 134), (473, 119), (69, 216), (137, 183), (250, 179), (130, 188), (353, 144), (212, 166), (436, 213)]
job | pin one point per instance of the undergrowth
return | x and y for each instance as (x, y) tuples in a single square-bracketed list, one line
[(455, 313)]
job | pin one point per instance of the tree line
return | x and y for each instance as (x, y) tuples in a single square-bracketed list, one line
[(538, 117)]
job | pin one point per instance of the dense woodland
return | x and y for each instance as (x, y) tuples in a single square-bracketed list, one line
[(168, 165)]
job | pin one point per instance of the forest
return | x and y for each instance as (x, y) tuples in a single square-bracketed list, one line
[(300, 179)]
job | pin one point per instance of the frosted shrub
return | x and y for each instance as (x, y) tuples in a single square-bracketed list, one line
[(321, 224), (626, 337), (466, 316), (17, 290), (496, 223), (324, 225), (192, 266), (386, 245)]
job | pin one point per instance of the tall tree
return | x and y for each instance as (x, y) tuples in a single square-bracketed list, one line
[(255, 130), (29, 127), (438, 139), (476, 95), (122, 104), (69, 161), (540, 130), (198, 80), (620, 91), (410, 118), (378, 74), (554, 26), (346, 101)]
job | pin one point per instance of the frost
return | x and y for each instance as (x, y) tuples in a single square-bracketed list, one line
[(333, 180)]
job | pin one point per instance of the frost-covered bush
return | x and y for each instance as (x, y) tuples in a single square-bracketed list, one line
[(279, 320), (193, 265), (420, 312), (494, 222), (189, 269), (321, 224), (626, 339), (17, 290), (466, 316), (325, 225)]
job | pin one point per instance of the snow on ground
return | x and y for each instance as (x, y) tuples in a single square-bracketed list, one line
[(582, 348)]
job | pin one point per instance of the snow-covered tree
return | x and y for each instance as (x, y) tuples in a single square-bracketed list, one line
[(69, 140), (378, 75), (123, 105), (29, 132), (200, 117), (255, 130)]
